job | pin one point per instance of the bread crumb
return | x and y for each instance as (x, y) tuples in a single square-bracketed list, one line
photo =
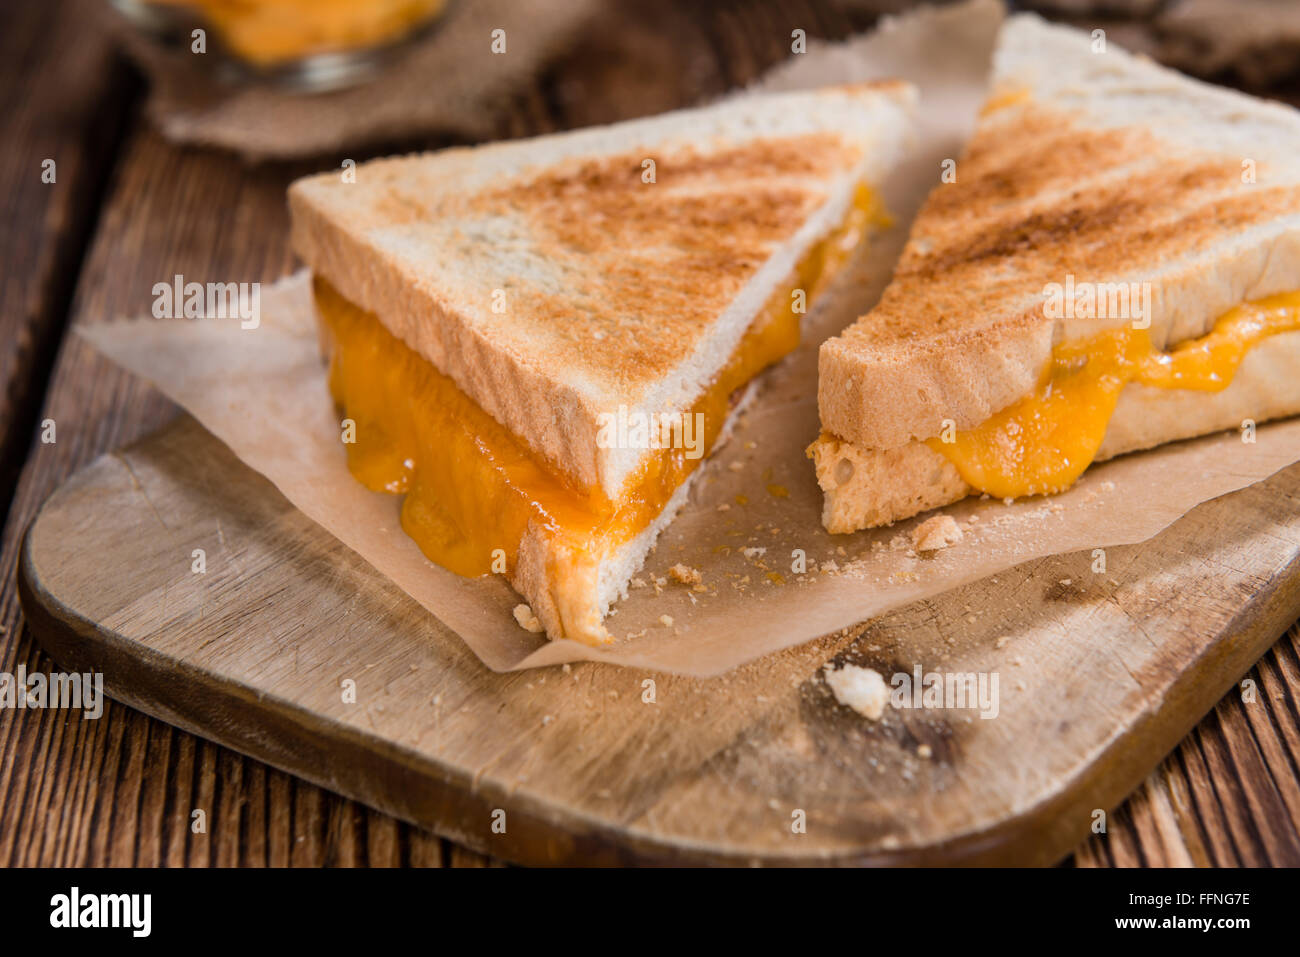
[(754, 552), (527, 620), (862, 689), (1108, 486), (936, 533), (685, 574), (666, 620), (736, 466), (924, 752), (724, 507)]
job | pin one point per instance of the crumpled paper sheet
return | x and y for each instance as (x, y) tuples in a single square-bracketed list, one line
[(263, 392)]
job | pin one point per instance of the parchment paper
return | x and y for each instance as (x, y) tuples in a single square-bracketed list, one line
[(263, 392)]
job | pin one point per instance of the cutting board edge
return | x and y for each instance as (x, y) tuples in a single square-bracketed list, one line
[(74, 640)]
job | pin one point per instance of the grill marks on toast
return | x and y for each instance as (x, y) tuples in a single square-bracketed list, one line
[(1035, 159), (636, 272), (1019, 218)]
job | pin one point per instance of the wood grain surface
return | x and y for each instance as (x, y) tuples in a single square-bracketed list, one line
[(120, 790), (1099, 676)]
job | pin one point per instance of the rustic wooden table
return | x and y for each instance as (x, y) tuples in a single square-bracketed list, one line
[(127, 209)]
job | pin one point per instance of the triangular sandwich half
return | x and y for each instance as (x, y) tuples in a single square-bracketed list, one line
[(537, 341), (1116, 266)]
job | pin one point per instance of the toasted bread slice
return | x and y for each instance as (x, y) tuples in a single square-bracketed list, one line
[(1088, 166), (558, 278), (547, 285)]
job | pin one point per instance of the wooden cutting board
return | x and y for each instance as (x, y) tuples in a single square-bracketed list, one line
[(1099, 677)]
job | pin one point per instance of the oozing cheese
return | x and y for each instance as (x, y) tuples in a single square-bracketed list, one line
[(471, 486), (1043, 443)]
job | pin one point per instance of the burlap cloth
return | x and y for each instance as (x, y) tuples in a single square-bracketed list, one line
[(449, 82)]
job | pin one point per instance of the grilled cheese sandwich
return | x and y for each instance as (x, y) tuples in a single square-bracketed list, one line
[(662, 294), (1092, 173)]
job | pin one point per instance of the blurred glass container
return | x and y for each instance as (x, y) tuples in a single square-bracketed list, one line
[(311, 45)]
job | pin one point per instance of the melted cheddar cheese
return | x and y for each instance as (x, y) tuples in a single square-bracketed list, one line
[(471, 486), (1043, 443)]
